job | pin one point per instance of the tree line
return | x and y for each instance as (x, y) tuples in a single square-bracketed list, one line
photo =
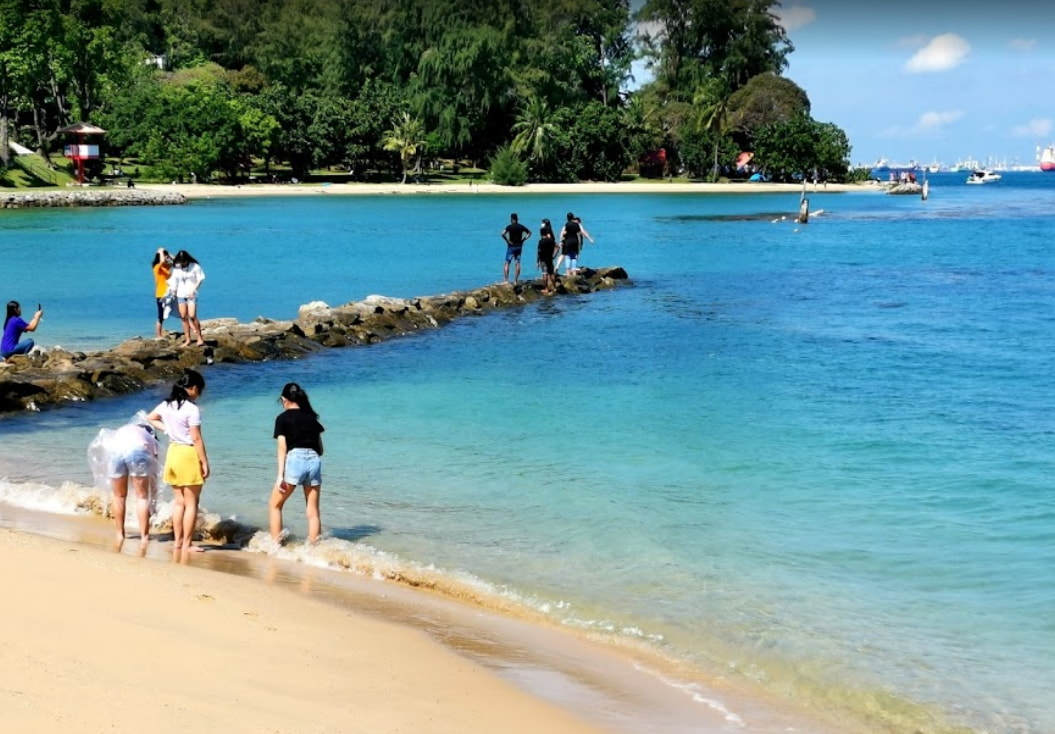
[(539, 90)]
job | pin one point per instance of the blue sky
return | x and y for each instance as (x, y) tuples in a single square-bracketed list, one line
[(931, 79)]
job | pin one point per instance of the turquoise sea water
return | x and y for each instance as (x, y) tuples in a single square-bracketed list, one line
[(815, 458)]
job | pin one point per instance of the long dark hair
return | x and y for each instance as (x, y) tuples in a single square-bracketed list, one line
[(294, 393), (157, 256), (12, 310), (187, 380), (183, 259)]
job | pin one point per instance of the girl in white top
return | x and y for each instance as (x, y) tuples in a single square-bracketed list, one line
[(186, 278), (186, 463)]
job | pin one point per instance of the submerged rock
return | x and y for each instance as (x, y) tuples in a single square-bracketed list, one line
[(57, 376)]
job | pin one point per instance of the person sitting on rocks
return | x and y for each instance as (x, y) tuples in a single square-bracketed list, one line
[(14, 327)]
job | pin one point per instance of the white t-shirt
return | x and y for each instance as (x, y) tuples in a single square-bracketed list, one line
[(132, 437), (178, 421), (184, 282)]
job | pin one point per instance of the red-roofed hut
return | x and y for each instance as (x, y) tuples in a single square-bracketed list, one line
[(81, 151)]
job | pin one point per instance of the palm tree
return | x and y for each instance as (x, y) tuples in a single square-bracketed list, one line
[(534, 130), (712, 99), (407, 137)]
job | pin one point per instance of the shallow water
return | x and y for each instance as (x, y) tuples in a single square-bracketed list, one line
[(815, 459)]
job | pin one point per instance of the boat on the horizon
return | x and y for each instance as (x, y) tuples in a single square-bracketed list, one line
[(1047, 158), (983, 176)]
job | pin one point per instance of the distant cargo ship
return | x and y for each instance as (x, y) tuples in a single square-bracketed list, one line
[(1047, 159)]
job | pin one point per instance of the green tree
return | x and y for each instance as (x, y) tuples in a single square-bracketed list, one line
[(732, 40), (259, 130), (534, 130), (407, 138), (507, 169), (765, 99), (802, 147), (189, 127), (13, 69), (463, 89), (310, 58), (592, 144)]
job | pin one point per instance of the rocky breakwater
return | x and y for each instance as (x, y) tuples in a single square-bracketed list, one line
[(54, 377), (58, 198)]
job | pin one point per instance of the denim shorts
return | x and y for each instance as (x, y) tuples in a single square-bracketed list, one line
[(136, 463), (303, 468)]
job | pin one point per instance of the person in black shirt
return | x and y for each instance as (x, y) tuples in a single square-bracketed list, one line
[(547, 249), (514, 235), (299, 435)]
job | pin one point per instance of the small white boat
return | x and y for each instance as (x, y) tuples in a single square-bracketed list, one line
[(983, 176)]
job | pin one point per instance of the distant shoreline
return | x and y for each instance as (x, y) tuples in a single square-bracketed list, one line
[(209, 191)]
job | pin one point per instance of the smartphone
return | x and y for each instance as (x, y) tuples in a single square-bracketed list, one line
[(39, 308)]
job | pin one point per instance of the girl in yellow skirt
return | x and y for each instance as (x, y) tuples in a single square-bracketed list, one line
[(186, 463)]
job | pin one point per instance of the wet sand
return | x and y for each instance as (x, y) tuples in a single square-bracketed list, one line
[(96, 640), (97, 636)]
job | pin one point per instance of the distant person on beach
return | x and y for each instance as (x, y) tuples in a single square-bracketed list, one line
[(299, 436), (547, 250), (162, 267), (130, 452), (186, 462), (514, 235), (14, 327), (187, 276)]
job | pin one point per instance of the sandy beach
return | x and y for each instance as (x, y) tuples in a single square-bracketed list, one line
[(206, 191), (98, 637), (95, 640)]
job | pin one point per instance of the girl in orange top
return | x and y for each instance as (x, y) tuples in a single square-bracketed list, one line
[(162, 269)]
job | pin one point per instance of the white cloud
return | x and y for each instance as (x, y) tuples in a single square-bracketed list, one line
[(1036, 128), (796, 16), (944, 52), (1023, 44), (927, 124), (930, 121)]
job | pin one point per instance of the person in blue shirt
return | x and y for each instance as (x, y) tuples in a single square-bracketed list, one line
[(14, 327)]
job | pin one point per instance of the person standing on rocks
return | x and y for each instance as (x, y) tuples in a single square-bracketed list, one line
[(187, 276), (547, 249), (299, 436), (14, 327), (186, 462), (571, 235), (514, 235), (162, 267)]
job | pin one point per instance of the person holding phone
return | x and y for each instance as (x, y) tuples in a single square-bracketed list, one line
[(14, 327)]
